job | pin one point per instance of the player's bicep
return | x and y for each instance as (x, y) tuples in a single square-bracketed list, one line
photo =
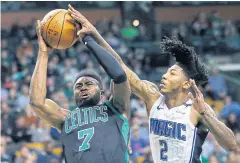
[(145, 90), (51, 113), (121, 96)]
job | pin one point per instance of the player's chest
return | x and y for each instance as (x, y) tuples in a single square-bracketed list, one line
[(87, 117)]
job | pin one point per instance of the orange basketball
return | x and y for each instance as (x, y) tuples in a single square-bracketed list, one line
[(57, 31)]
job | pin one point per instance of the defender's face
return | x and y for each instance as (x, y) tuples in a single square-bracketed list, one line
[(173, 80), (87, 91)]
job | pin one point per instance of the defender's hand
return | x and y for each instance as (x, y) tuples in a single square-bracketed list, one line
[(41, 43), (198, 101), (86, 27)]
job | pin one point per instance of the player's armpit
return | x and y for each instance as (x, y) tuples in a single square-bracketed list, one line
[(145, 90), (51, 113)]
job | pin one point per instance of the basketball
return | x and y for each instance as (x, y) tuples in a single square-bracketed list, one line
[(57, 31)]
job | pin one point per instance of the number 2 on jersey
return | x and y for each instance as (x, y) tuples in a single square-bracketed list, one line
[(89, 133), (164, 149)]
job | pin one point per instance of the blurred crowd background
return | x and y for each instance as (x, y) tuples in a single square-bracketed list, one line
[(25, 139)]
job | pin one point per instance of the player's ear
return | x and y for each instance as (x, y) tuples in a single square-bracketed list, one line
[(101, 92), (186, 85)]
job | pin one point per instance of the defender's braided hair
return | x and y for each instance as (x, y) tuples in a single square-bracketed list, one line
[(186, 58)]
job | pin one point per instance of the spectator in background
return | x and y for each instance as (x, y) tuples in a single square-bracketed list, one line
[(200, 24), (68, 70), (148, 158), (20, 131), (213, 159), (82, 57), (40, 132), (68, 91), (180, 32), (5, 157), (174, 32), (25, 156), (112, 40), (215, 32), (220, 153), (143, 130), (143, 36), (24, 48), (32, 34), (208, 147), (25, 53), (47, 155), (138, 105), (6, 63), (217, 84), (232, 122), (215, 18), (138, 144), (4, 94), (230, 107), (115, 26), (53, 67), (23, 98), (8, 83), (232, 38), (13, 99), (6, 117)]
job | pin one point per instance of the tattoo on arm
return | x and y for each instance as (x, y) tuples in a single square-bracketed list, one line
[(152, 89), (221, 132)]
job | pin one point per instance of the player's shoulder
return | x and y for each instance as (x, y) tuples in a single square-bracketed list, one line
[(117, 110), (152, 94)]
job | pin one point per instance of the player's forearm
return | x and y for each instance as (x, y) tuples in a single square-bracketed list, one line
[(107, 61), (221, 132), (38, 81)]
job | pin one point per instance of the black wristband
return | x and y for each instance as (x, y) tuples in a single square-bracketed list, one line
[(203, 113)]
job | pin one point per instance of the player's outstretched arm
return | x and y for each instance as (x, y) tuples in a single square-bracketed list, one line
[(145, 90), (206, 115), (121, 91), (46, 109)]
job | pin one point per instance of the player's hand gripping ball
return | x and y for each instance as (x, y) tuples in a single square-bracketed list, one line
[(57, 31)]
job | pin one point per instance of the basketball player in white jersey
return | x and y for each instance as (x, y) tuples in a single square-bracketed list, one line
[(179, 119)]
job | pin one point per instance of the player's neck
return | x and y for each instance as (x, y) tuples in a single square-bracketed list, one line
[(90, 104), (175, 99)]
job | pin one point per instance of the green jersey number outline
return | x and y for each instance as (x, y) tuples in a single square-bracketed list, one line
[(89, 132)]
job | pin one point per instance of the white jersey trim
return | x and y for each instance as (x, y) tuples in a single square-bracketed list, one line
[(193, 145), (156, 104), (189, 102)]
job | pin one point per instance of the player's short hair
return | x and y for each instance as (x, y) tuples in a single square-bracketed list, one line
[(90, 73), (186, 58)]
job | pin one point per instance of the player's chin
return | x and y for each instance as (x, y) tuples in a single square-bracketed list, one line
[(86, 99), (163, 90)]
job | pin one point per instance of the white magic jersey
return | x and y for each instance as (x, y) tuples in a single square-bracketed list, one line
[(173, 138)]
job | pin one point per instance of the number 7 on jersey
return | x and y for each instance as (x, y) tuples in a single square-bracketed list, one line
[(89, 133)]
